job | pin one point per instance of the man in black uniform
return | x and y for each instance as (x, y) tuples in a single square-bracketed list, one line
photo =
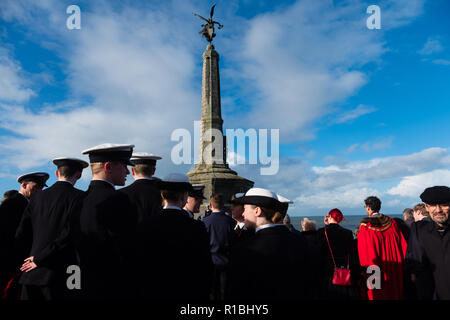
[(194, 200), (45, 226), (177, 259), (11, 211), (106, 226), (428, 253), (143, 192), (237, 210)]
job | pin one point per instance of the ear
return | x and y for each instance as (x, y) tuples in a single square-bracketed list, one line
[(107, 167), (154, 170), (57, 173), (258, 212), (132, 171)]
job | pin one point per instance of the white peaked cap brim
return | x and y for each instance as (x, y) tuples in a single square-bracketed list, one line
[(144, 155), (283, 199), (109, 147), (261, 193)]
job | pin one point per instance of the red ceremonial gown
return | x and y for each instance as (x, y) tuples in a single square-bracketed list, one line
[(381, 243)]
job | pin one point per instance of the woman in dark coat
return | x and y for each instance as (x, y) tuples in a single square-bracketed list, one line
[(341, 242), (257, 264)]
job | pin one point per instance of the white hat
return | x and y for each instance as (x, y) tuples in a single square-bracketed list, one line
[(110, 152), (283, 199), (261, 197), (144, 158)]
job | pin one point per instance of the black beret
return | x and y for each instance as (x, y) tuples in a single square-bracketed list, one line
[(436, 195)]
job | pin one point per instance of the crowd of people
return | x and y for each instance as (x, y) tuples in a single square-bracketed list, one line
[(147, 240)]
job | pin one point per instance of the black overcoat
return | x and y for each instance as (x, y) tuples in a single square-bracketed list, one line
[(45, 227), (11, 211), (105, 241), (175, 257), (271, 265), (428, 257)]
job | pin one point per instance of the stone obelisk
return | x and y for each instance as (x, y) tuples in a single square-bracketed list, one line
[(212, 170)]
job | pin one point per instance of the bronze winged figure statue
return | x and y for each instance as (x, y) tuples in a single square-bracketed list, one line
[(208, 27)]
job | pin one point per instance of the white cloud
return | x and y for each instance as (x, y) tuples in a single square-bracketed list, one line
[(340, 197), (432, 45), (285, 58), (141, 87), (413, 186), (377, 145), (13, 85), (442, 62), (351, 115), (379, 169)]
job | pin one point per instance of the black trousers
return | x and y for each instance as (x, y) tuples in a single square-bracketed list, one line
[(219, 282), (37, 293)]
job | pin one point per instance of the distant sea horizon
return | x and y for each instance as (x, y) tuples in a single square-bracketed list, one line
[(351, 222)]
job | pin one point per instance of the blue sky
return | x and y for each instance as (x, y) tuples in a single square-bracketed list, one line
[(360, 112)]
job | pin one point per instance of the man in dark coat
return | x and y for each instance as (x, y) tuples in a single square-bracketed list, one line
[(237, 210), (175, 248), (106, 227), (194, 200), (260, 265), (428, 254), (46, 226), (143, 192), (220, 228), (11, 211)]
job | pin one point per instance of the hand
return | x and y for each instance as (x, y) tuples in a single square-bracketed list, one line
[(28, 265)]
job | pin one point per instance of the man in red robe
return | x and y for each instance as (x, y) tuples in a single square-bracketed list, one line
[(381, 244)]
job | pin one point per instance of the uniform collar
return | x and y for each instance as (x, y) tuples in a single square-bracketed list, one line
[(172, 207), (268, 225), (239, 225), (189, 213), (65, 182), (24, 196), (104, 181), (144, 178)]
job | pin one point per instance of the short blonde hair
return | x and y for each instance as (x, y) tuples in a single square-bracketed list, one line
[(96, 167), (308, 225)]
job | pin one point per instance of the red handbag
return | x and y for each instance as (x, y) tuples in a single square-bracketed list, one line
[(341, 276)]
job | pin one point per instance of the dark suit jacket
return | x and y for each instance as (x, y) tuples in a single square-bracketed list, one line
[(242, 234), (144, 194), (175, 257), (428, 257), (45, 227), (11, 211), (105, 233), (268, 266), (220, 228)]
